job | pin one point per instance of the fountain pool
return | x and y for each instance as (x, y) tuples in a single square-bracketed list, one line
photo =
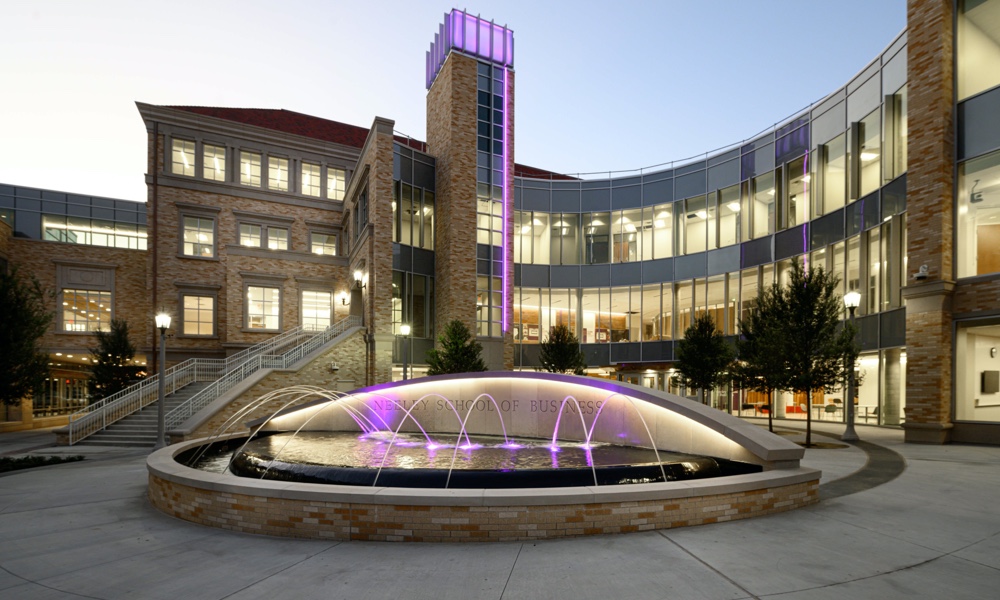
[(486, 456)]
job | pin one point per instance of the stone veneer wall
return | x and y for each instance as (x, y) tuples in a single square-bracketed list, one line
[(130, 299), (348, 355), (451, 139), (930, 203), (425, 523), (294, 269)]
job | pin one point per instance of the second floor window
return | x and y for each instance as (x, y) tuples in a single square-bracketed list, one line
[(198, 237)]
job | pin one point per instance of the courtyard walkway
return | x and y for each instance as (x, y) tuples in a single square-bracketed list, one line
[(895, 521)]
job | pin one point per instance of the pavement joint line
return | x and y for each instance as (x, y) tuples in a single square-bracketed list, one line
[(511, 574), (48, 587), (278, 572), (750, 594)]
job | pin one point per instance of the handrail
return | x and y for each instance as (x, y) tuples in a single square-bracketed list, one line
[(115, 407), (229, 380)]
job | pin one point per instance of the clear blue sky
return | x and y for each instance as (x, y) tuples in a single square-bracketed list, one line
[(600, 85)]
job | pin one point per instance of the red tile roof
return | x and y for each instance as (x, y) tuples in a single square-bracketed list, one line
[(324, 129)]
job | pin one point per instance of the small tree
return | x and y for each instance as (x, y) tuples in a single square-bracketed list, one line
[(23, 367), (561, 353), (760, 349), (459, 352), (112, 372), (703, 356), (816, 342)]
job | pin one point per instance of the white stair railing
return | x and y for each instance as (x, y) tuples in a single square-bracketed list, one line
[(203, 398), (115, 407)]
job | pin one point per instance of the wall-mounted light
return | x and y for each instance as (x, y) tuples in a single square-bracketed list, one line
[(344, 298), (359, 279)]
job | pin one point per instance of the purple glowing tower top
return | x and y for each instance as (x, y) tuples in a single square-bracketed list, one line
[(472, 35)]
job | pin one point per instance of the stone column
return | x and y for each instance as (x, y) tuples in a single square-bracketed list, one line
[(930, 209)]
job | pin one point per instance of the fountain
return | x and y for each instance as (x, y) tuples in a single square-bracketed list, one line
[(525, 445)]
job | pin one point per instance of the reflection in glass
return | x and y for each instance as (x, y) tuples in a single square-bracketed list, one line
[(978, 239)]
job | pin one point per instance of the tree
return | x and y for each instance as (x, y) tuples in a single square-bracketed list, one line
[(459, 353), (112, 372), (561, 353), (703, 356), (818, 346), (23, 367), (760, 365)]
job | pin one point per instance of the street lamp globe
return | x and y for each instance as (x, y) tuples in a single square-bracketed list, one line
[(404, 329), (162, 321), (852, 300)]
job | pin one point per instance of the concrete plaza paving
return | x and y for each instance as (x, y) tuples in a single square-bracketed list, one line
[(896, 521)]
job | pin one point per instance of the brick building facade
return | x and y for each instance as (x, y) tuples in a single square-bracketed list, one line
[(263, 220)]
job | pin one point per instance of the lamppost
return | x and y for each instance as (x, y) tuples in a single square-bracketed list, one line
[(851, 301), (405, 330), (162, 323)]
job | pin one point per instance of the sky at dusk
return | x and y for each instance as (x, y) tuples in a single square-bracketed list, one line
[(600, 86)]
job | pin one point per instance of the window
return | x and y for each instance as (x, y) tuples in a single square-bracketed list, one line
[(695, 228), (361, 213), (277, 238), (316, 310), (869, 153), (729, 216), (596, 238), (977, 47), (198, 315), (85, 310), (277, 173), (250, 169), (663, 221), (489, 292), (250, 235), (256, 229), (199, 237), (213, 165), (323, 243), (183, 158), (834, 172), (93, 232), (763, 205), (894, 164), (311, 181), (263, 308), (336, 183), (978, 221), (797, 207)]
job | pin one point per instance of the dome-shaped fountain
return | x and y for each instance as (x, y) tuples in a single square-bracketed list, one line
[(468, 448)]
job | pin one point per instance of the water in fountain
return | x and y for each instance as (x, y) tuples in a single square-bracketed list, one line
[(380, 454)]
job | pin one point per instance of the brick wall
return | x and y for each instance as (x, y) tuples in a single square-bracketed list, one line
[(414, 523), (451, 139), (131, 298), (930, 201)]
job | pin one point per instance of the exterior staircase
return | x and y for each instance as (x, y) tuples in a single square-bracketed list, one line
[(190, 386), (139, 429)]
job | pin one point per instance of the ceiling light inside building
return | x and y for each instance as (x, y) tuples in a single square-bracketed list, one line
[(734, 206)]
